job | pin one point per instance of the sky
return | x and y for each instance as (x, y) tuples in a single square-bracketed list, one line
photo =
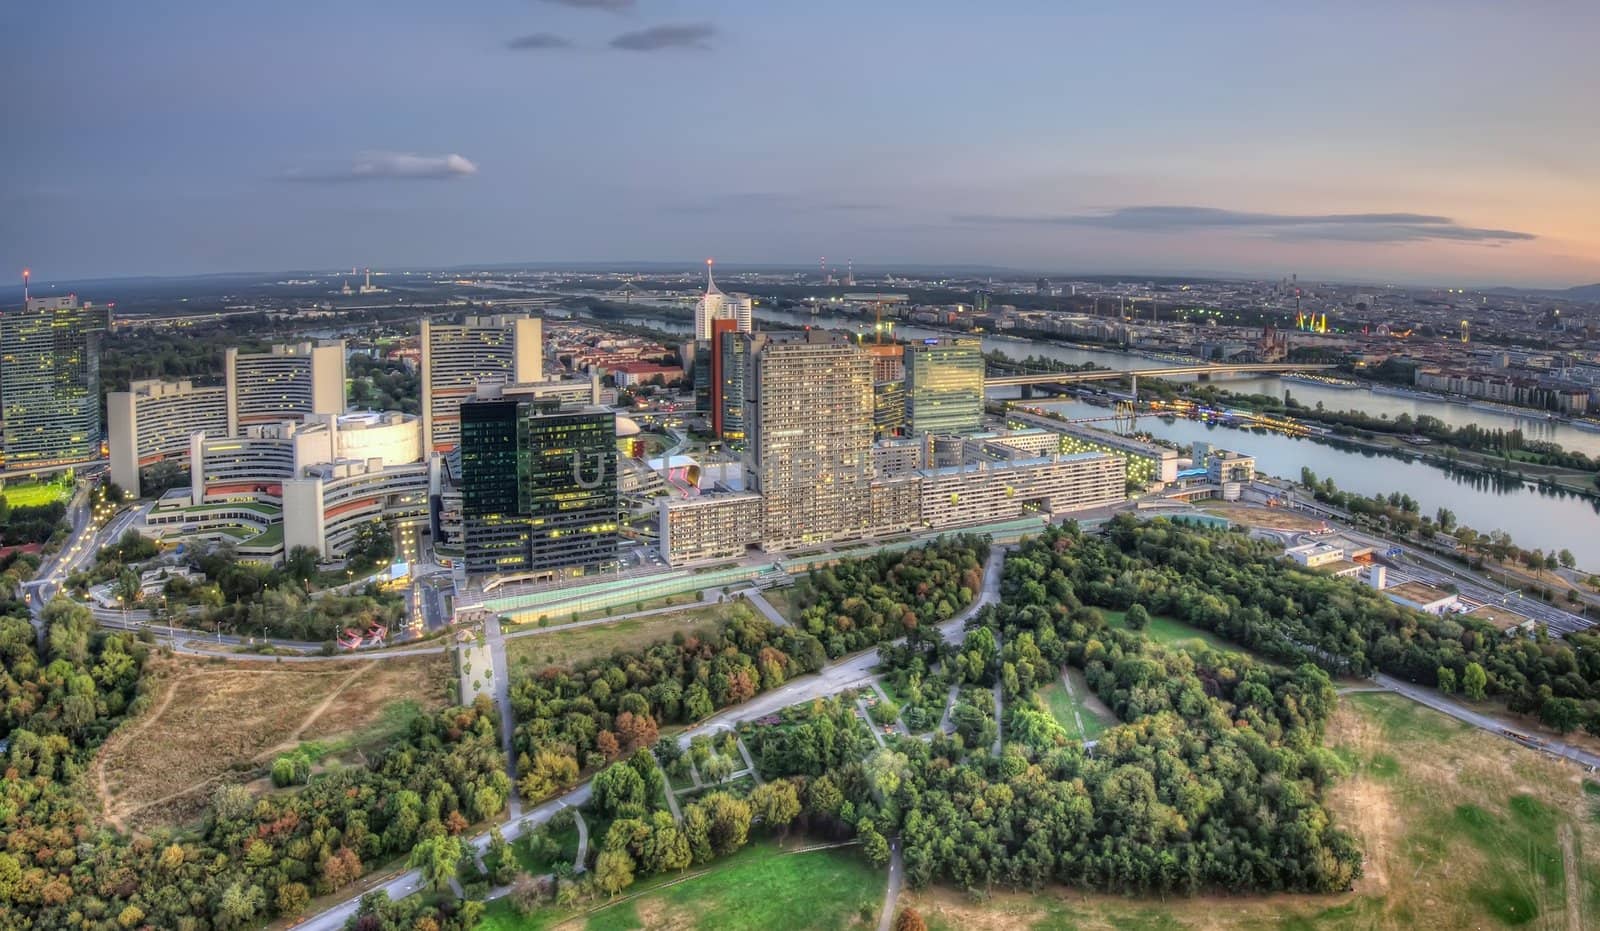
[(1452, 142)]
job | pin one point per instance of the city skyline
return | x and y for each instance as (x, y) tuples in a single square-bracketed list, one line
[(1430, 145)]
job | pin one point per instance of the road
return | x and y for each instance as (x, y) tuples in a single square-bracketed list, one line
[(1437, 702), (850, 672), (502, 698), (411, 880), (897, 879)]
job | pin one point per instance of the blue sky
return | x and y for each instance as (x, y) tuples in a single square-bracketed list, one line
[(1450, 142)]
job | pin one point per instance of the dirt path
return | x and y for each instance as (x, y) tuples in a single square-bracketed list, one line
[(102, 789), (294, 737), (1570, 866)]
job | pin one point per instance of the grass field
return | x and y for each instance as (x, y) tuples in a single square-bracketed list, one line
[(566, 647), (213, 721), (1081, 705), (1176, 633), (34, 494), (760, 888), (783, 601), (1461, 830)]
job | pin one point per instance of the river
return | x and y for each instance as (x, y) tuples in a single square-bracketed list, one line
[(1534, 518)]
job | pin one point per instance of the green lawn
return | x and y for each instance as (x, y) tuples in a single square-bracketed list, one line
[(760, 888), (35, 494), (1062, 706), (567, 647), (783, 601), (1176, 633), (566, 852)]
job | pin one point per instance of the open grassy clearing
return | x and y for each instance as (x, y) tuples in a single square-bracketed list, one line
[(1461, 830), (1081, 705), (1175, 633), (212, 721), (761, 888), (566, 647), (783, 600), (1267, 518)]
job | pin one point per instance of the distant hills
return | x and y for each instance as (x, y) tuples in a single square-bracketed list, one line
[(1586, 292)]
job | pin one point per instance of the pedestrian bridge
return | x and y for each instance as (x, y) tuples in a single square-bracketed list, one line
[(1066, 378)]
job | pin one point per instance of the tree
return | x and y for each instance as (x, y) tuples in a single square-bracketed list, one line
[(499, 852), (438, 857), (873, 843), (1562, 714), (1137, 617), (292, 899), (550, 772), (1474, 681), (241, 902), (300, 563), (909, 919), (1566, 559), (1447, 679), (776, 803), (613, 871)]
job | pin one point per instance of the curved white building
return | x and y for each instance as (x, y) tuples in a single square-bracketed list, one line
[(715, 305), (153, 420)]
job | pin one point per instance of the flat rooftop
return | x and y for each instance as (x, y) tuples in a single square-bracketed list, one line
[(1417, 592)]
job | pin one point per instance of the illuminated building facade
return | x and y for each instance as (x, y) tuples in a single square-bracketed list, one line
[(50, 383), (538, 486), (944, 386)]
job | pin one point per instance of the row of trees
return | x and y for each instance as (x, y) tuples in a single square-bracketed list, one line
[(1243, 590), (255, 857), (585, 717), (863, 602)]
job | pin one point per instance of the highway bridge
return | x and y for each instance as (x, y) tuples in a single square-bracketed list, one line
[(1066, 378)]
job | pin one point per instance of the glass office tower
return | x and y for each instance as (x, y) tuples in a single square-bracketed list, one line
[(944, 386), (50, 382), (539, 486)]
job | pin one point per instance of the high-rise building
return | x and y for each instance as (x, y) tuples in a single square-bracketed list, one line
[(888, 408), (808, 427), (50, 382), (714, 305), (538, 486), (289, 381), (944, 386), (728, 382), (457, 357), (153, 420)]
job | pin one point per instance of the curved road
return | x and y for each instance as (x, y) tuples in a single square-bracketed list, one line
[(833, 678)]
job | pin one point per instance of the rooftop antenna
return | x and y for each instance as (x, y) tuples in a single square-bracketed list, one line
[(822, 268), (26, 274)]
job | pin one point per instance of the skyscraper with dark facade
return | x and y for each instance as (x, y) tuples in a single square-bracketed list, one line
[(539, 486), (50, 383), (728, 388)]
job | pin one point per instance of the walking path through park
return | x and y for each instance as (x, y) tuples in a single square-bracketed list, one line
[(761, 604)]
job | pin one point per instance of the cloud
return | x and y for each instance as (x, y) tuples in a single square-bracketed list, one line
[(770, 202), (609, 6), (538, 41), (403, 166), (659, 38), (1337, 227)]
